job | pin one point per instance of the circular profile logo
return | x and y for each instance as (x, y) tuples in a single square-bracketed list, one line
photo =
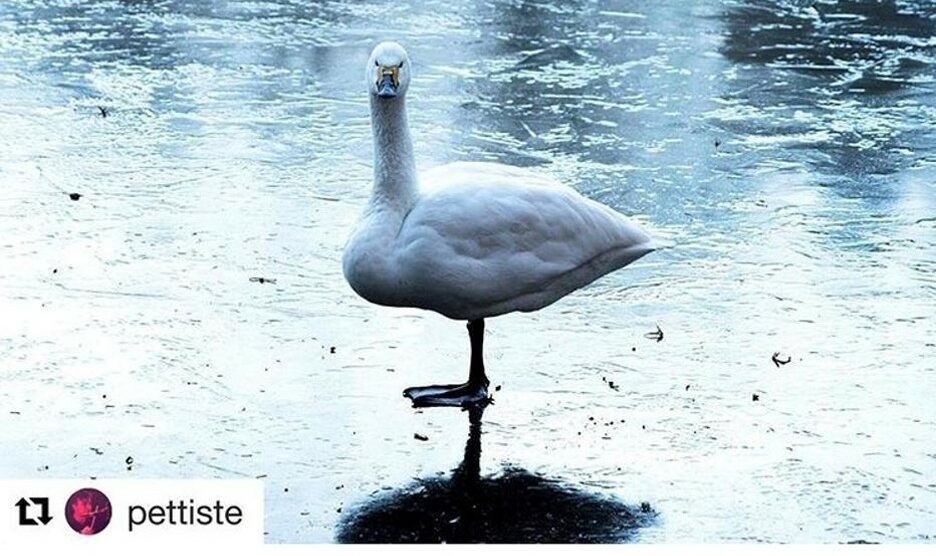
[(88, 511)]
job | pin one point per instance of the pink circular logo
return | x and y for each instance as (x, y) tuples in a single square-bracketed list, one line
[(88, 511)]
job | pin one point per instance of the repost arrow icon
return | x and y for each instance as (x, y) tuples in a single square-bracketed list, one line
[(23, 505)]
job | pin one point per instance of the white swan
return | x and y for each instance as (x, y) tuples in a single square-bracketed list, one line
[(470, 240)]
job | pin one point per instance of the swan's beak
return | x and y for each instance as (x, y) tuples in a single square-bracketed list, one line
[(387, 82), (385, 87)]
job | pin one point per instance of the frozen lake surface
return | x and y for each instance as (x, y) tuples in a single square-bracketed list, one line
[(789, 149)]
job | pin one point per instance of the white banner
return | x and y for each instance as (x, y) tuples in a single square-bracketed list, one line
[(130, 513)]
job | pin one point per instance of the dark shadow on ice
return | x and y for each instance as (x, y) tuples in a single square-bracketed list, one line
[(515, 506)]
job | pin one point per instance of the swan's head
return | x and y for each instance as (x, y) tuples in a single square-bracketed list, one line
[(388, 71)]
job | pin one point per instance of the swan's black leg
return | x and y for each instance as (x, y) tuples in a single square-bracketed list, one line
[(471, 393)]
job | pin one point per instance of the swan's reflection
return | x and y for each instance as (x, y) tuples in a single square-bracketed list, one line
[(515, 506)]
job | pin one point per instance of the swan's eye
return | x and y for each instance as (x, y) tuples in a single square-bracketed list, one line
[(401, 65), (376, 63)]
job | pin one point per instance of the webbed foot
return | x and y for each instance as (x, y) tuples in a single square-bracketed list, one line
[(449, 395)]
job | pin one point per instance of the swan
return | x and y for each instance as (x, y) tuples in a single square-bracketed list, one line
[(470, 240)]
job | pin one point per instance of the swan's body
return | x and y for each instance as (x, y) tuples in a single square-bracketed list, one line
[(478, 240), (471, 240)]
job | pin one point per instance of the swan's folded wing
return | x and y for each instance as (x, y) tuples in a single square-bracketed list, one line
[(470, 250)]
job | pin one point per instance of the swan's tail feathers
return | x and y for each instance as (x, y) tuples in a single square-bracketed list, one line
[(646, 242)]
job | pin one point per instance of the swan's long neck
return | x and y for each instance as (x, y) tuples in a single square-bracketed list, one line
[(394, 165)]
